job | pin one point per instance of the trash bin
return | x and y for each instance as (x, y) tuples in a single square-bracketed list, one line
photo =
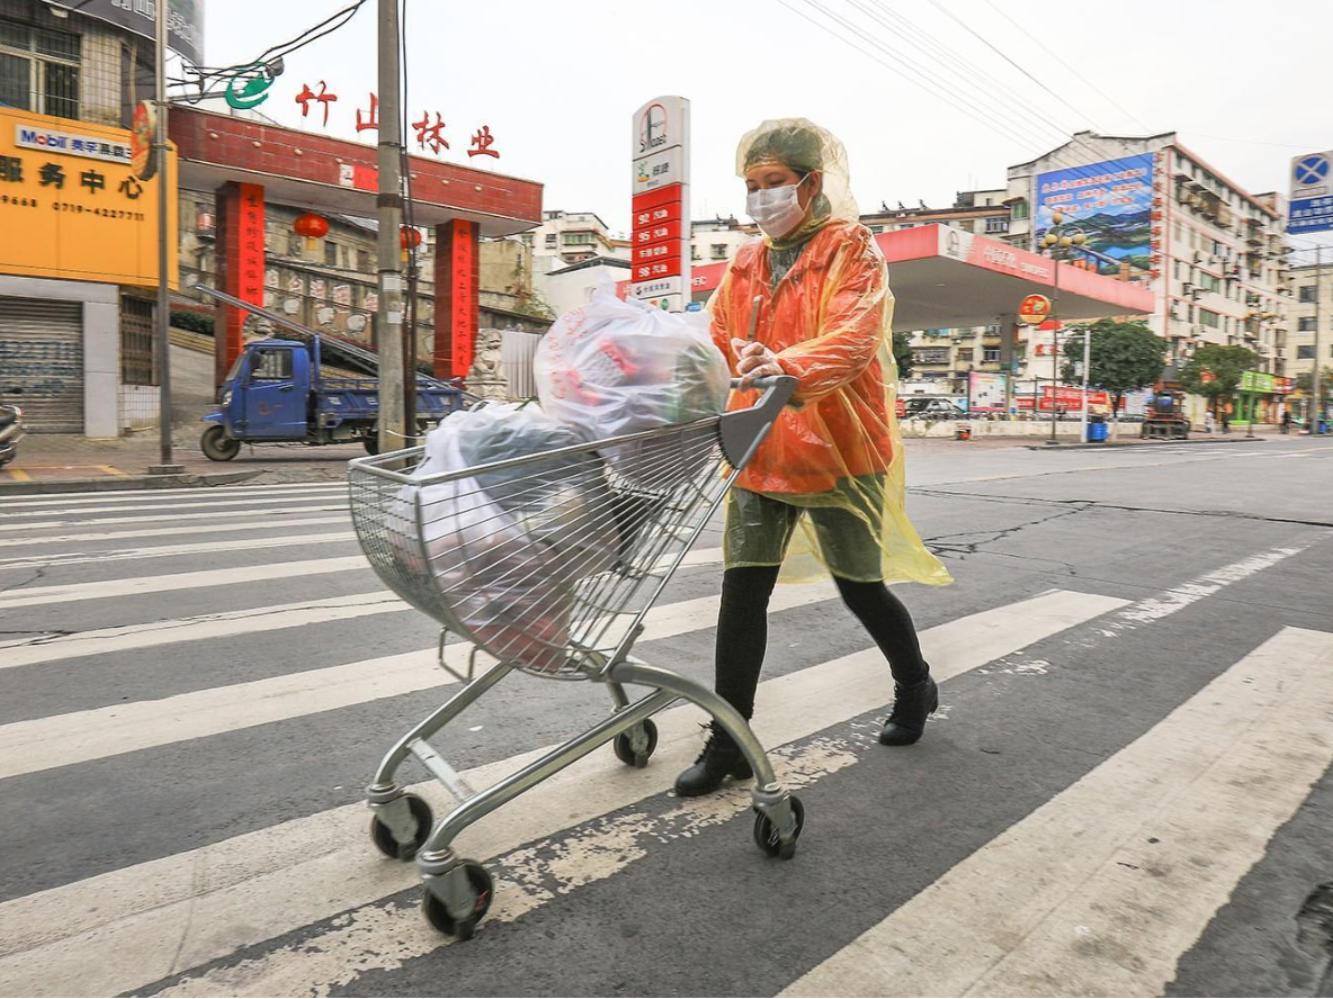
[(1097, 430)]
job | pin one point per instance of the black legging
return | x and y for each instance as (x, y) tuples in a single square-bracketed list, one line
[(742, 630)]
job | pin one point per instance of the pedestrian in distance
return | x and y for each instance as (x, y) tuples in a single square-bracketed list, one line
[(1286, 421), (1226, 420), (811, 299), (1208, 424)]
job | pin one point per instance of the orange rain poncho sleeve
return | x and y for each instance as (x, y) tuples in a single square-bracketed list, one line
[(828, 320)]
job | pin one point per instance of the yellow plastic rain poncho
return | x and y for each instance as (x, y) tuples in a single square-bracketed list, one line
[(833, 462)]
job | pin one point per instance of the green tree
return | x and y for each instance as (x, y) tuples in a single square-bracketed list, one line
[(1123, 357), (1305, 382), (1214, 371), (902, 354)]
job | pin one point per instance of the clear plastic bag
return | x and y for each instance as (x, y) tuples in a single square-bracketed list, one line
[(507, 546), (617, 367)]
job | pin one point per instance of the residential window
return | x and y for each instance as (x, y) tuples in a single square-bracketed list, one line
[(330, 253), (39, 70), (996, 224), (294, 245), (578, 238), (1208, 282), (363, 261), (966, 353), (1306, 293), (1305, 352), (1305, 324), (990, 354), (1019, 210), (1208, 317), (695, 254), (719, 251), (551, 240)]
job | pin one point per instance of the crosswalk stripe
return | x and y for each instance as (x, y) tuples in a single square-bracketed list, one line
[(167, 551), (1105, 886), (282, 524), (103, 589), (224, 624), (221, 518), (61, 740), (265, 504), (113, 500), (256, 886)]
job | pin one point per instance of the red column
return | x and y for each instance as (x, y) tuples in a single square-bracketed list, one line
[(457, 302), (239, 254)]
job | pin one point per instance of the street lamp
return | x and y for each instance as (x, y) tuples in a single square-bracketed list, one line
[(1059, 241)]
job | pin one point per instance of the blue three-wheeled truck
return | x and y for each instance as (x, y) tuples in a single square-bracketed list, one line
[(276, 392)]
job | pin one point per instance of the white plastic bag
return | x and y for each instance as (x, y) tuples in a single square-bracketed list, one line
[(617, 367), (507, 547)]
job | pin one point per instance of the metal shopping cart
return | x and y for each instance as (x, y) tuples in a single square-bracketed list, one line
[(547, 564)]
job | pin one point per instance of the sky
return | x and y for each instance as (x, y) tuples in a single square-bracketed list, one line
[(925, 106)]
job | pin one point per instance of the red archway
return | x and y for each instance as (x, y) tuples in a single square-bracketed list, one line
[(247, 163)]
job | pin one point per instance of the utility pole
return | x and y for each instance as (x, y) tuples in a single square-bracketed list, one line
[(1055, 348), (1087, 363), (1316, 403), (390, 202), (166, 464)]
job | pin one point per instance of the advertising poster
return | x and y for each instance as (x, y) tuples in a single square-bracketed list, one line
[(1110, 203), (985, 392)]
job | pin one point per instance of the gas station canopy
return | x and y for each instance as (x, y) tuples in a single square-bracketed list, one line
[(943, 277)]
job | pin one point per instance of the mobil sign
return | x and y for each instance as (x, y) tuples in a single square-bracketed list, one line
[(660, 211)]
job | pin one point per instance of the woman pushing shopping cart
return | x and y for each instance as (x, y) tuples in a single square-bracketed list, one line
[(544, 537)]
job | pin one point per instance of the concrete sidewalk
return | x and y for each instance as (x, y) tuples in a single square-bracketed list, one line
[(50, 463)]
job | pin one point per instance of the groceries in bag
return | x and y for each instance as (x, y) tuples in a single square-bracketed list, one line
[(618, 367), (506, 546)]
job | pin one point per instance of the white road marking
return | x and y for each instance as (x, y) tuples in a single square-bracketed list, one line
[(104, 589), (221, 518), (218, 527), (225, 624), (62, 740), (163, 916), (1105, 886), (268, 501), (167, 551), (130, 497)]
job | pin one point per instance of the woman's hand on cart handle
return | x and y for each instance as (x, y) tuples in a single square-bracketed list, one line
[(754, 361)]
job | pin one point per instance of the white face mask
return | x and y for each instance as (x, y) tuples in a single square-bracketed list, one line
[(776, 210)]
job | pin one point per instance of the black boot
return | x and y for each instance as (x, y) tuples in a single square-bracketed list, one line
[(721, 759), (911, 704)]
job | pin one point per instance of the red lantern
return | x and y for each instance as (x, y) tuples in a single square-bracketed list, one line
[(313, 227), (409, 237)]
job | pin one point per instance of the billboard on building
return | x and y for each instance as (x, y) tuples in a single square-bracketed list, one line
[(72, 206), (1109, 202), (185, 20)]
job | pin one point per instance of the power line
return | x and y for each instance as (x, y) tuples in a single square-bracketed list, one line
[(998, 51), (1074, 72)]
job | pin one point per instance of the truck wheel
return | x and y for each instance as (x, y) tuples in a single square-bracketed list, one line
[(217, 446), (371, 444)]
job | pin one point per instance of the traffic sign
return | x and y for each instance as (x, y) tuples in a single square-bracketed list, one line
[(1310, 208)]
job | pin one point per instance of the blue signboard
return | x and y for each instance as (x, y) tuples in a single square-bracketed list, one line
[(1311, 205), (1109, 202)]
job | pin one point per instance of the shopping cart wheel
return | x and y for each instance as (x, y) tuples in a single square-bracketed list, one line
[(383, 836), (483, 889), (766, 835), (624, 744)]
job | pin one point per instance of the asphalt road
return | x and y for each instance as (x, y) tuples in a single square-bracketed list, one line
[(1127, 789)]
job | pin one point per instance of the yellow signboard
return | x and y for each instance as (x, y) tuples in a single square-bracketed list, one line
[(71, 207)]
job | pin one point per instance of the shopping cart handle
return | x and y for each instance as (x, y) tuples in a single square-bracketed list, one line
[(742, 430)]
